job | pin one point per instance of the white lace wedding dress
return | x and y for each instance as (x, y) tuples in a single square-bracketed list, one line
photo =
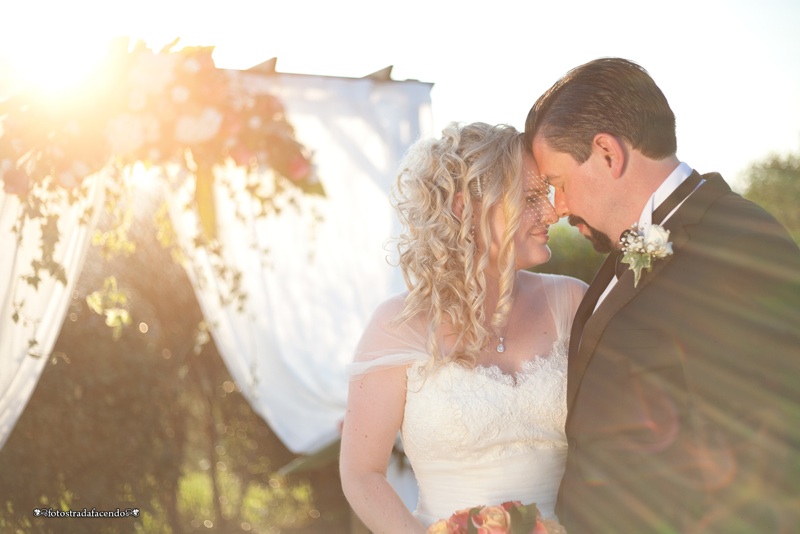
[(479, 436)]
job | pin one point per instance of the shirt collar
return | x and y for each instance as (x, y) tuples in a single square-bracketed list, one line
[(670, 184)]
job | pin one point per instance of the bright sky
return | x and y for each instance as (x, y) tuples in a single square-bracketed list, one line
[(730, 68)]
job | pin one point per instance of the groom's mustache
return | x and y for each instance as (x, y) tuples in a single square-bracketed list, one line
[(574, 220), (600, 241)]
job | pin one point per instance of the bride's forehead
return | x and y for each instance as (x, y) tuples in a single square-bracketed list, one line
[(528, 163), (531, 177), (532, 181)]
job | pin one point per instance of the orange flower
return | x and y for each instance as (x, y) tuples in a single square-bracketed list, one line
[(440, 527), (460, 520)]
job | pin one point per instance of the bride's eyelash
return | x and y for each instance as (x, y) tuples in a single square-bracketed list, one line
[(538, 192), (535, 199)]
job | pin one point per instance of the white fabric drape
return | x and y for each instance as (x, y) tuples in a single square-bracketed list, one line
[(42, 310), (309, 298)]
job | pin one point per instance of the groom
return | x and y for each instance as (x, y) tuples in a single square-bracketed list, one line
[(684, 385)]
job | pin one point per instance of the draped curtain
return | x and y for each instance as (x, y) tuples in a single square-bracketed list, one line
[(313, 275), (31, 318)]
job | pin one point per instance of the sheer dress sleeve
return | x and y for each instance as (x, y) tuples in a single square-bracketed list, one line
[(385, 344), (564, 295)]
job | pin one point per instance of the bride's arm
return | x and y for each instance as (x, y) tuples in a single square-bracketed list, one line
[(375, 406)]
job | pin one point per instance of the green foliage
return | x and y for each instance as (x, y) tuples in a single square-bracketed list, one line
[(774, 183), (114, 241), (257, 505), (573, 255), (112, 304)]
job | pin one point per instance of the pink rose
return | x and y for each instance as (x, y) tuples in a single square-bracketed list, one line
[(299, 168), (16, 182), (492, 520), (241, 155)]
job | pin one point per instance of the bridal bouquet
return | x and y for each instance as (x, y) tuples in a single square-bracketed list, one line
[(511, 517)]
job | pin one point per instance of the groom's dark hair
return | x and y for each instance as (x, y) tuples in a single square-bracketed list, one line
[(608, 95)]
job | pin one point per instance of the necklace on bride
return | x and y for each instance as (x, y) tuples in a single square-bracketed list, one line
[(501, 345), (501, 336)]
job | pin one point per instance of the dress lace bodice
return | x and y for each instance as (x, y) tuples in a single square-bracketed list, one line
[(479, 436), (482, 412)]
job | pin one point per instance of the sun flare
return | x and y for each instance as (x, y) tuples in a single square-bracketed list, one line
[(53, 53), (54, 69)]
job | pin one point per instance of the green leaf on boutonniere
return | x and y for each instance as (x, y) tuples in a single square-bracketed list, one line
[(637, 262)]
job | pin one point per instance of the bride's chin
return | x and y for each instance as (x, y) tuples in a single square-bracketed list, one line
[(540, 258)]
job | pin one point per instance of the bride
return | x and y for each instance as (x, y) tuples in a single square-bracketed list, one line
[(469, 365)]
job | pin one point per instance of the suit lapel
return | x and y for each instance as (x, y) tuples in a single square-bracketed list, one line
[(589, 326), (578, 356), (589, 301)]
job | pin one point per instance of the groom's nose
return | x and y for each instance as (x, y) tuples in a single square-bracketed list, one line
[(560, 204)]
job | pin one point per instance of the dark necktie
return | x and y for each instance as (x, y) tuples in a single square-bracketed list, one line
[(665, 208)]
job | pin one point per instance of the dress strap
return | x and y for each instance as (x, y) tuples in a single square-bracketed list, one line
[(356, 370), (563, 298)]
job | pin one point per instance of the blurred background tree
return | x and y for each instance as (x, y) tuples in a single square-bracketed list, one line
[(774, 184), (573, 255)]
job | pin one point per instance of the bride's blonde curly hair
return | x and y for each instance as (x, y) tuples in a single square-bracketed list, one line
[(440, 259)]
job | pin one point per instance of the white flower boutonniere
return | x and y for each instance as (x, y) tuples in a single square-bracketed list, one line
[(640, 248)]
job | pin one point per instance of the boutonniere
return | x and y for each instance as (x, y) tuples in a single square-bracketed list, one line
[(641, 248)]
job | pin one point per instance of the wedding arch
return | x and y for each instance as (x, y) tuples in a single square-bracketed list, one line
[(220, 143)]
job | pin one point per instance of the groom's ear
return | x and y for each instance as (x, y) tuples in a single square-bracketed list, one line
[(612, 152)]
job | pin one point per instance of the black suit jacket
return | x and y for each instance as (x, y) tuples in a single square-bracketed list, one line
[(684, 392)]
